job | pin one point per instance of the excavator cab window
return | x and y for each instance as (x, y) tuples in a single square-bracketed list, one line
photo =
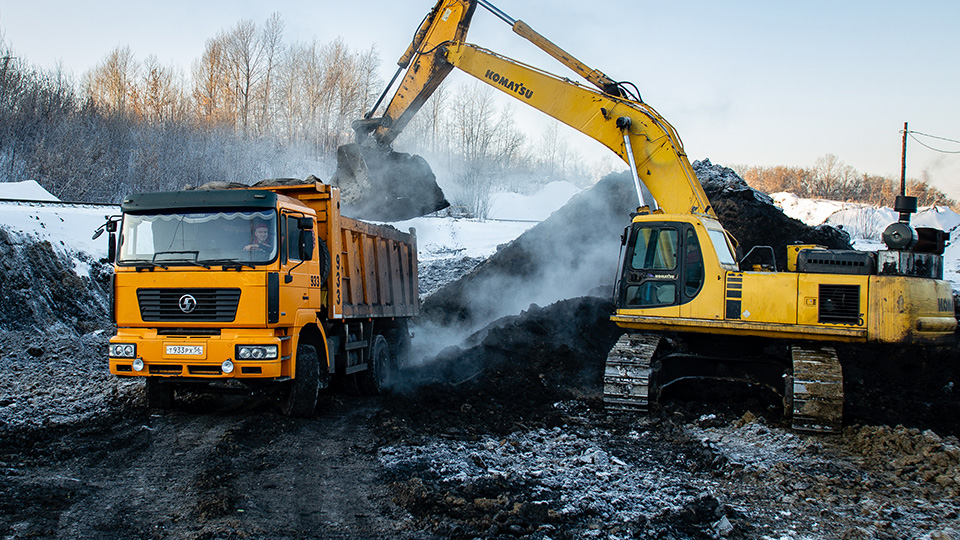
[(664, 266), (655, 249), (652, 267)]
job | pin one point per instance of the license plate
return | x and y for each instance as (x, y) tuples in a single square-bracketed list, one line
[(193, 350)]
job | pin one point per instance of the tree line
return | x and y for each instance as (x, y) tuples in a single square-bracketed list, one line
[(252, 107), (830, 178)]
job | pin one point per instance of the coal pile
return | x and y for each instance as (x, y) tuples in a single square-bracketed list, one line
[(514, 370), (384, 185), (753, 219), (43, 293), (575, 251), (570, 254)]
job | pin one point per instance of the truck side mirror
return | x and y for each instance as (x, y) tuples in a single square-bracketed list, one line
[(305, 223), (306, 244), (111, 227)]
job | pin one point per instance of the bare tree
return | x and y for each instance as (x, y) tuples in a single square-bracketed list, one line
[(111, 83), (244, 55), (272, 43), (212, 93), (160, 94)]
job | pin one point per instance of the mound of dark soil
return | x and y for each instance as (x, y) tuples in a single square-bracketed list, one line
[(43, 293), (753, 219), (575, 251), (514, 370), (914, 386)]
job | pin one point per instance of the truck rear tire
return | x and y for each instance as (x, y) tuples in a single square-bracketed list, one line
[(159, 393), (378, 377), (301, 399)]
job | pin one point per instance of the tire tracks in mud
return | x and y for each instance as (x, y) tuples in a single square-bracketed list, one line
[(209, 469)]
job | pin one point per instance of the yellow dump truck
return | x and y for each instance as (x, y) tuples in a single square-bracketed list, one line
[(258, 289)]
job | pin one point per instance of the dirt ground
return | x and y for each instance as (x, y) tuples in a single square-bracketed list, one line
[(213, 468), (499, 441)]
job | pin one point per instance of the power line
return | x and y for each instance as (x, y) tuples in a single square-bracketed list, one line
[(913, 135), (932, 148), (935, 137)]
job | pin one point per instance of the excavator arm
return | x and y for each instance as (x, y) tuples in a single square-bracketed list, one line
[(425, 67), (625, 125), (633, 130)]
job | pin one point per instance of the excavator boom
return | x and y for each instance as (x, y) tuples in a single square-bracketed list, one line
[(653, 145), (628, 127)]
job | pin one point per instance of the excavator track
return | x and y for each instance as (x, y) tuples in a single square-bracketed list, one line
[(815, 396), (629, 372)]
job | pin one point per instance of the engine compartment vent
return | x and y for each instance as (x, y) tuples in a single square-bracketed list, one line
[(839, 304), (835, 261)]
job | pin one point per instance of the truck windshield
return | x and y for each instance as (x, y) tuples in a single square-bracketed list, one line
[(198, 238)]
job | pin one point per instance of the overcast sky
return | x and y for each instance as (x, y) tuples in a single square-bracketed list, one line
[(744, 82)]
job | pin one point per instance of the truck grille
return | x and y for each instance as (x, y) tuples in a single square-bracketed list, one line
[(175, 305), (839, 304)]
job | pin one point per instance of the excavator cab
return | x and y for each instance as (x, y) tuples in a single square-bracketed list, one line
[(664, 266)]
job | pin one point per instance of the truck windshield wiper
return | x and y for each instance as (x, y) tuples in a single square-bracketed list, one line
[(183, 260), (228, 263), (141, 264)]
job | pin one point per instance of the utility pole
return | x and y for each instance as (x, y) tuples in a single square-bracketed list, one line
[(903, 163), (903, 204)]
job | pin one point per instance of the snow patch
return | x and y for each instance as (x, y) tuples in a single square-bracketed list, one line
[(28, 190)]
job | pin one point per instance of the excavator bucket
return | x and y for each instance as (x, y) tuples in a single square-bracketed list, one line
[(379, 184)]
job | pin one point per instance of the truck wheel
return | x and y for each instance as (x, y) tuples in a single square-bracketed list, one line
[(376, 380), (301, 399), (399, 341), (159, 394)]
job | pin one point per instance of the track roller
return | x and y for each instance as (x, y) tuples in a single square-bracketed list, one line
[(630, 373)]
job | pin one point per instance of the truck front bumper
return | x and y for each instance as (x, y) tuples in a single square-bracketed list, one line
[(198, 357)]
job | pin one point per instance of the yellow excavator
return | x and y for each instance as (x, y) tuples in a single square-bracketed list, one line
[(682, 296)]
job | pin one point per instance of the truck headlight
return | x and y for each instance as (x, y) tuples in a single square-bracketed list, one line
[(226, 366), (123, 350), (257, 352), (138, 364)]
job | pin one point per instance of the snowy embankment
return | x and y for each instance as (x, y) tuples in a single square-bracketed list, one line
[(866, 223)]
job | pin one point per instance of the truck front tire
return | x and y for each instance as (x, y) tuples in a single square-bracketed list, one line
[(301, 399)]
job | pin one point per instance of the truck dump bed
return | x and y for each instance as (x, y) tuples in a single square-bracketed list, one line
[(373, 270)]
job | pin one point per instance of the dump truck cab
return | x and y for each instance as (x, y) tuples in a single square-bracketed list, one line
[(267, 288)]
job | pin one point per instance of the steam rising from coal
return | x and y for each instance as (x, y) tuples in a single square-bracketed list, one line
[(572, 253), (575, 253)]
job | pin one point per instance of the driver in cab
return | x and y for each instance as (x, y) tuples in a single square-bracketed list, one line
[(261, 239)]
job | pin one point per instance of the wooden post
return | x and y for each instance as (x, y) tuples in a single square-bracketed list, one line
[(903, 163)]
